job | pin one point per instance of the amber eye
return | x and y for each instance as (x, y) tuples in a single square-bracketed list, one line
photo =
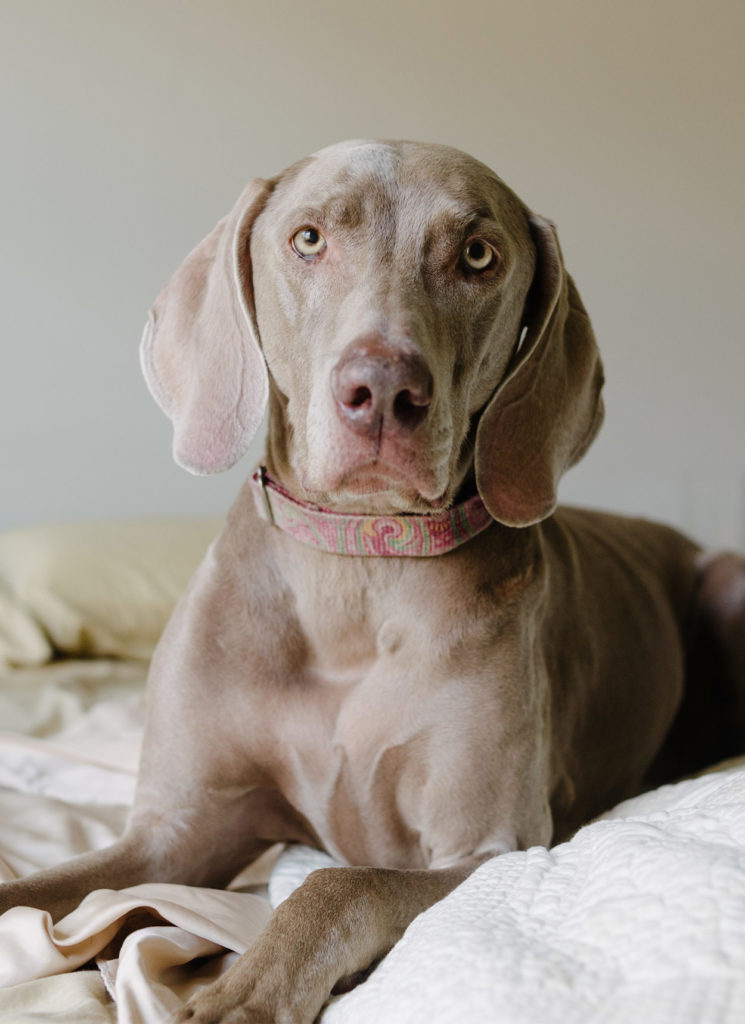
[(308, 243), (478, 254)]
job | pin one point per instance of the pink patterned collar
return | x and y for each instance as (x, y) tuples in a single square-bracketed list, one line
[(406, 535)]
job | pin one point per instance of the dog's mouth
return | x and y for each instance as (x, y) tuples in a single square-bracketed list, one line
[(383, 478), (377, 485)]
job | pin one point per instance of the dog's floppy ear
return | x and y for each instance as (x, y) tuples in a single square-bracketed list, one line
[(200, 350), (548, 408)]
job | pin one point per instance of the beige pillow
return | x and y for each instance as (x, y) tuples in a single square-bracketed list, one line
[(94, 589)]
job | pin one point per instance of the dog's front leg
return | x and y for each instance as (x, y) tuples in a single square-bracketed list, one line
[(60, 889), (334, 925), (204, 845)]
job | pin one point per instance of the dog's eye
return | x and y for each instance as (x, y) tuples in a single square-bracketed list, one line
[(308, 242), (478, 255)]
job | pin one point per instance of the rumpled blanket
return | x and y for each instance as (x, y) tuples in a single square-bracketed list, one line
[(641, 916)]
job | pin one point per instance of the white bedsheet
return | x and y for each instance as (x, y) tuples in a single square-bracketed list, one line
[(641, 917)]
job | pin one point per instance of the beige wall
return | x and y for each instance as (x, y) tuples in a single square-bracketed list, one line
[(128, 129)]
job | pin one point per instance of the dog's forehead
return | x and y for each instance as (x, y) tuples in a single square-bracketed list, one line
[(355, 159), (422, 173)]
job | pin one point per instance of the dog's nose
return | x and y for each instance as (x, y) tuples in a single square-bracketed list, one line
[(380, 388)]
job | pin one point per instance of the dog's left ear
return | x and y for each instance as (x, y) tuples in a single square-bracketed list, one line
[(548, 408), (200, 350)]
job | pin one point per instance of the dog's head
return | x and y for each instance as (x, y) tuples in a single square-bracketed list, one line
[(416, 322)]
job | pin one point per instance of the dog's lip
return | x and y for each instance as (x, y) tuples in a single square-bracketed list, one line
[(378, 476)]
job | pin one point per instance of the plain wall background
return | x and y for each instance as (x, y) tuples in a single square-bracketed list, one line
[(128, 130)]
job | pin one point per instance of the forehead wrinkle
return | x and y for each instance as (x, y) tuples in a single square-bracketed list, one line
[(420, 231), (367, 206), (336, 213), (328, 181), (460, 183), (460, 224)]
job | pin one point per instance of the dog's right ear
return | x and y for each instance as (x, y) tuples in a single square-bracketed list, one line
[(200, 351)]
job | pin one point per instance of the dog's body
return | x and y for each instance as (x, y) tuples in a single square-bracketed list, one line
[(411, 715)]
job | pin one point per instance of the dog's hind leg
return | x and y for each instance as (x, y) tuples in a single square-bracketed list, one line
[(710, 724), (721, 610)]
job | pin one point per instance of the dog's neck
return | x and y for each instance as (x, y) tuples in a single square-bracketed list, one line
[(407, 535)]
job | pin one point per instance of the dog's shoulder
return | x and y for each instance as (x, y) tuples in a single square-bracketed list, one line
[(624, 550)]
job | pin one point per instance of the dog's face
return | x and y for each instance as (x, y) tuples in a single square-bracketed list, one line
[(389, 285), (412, 322)]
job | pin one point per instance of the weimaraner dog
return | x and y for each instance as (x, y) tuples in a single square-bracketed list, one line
[(398, 650)]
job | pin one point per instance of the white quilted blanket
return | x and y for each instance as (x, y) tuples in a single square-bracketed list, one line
[(641, 917)]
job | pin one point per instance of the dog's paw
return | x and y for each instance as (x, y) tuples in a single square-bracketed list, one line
[(209, 1008), (206, 1009), (244, 995)]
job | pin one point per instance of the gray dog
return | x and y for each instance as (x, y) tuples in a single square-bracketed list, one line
[(398, 650)]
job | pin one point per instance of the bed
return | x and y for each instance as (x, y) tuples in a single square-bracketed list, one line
[(641, 916)]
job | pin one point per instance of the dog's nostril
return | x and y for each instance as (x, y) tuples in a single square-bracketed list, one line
[(360, 396), (419, 398), (410, 408)]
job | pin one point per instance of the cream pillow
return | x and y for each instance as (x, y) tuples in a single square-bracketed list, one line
[(103, 589)]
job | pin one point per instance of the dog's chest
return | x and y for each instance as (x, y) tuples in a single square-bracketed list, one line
[(364, 767), (371, 716)]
